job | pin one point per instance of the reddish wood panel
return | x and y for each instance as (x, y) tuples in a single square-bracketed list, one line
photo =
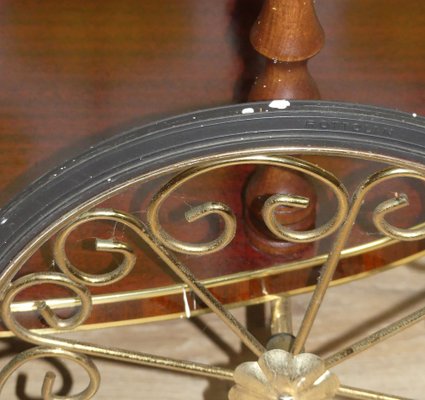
[(72, 73)]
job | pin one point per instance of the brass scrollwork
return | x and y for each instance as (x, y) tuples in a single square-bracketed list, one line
[(70, 348), (53, 347), (49, 378), (65, 265), (49, 316), (192, 215), (282, 232), (396, 203), (334, 256), (268, 211), (154, 235)]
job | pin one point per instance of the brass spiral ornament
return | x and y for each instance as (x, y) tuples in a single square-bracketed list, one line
[(284, 138), (45, 311), (271, 204), (65, 265), (334, 256), (396, 203), (49, 379)]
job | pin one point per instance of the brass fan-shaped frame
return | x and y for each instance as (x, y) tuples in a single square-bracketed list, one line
[(181, 149)]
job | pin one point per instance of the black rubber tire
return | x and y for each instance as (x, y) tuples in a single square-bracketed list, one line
[(304, 124)]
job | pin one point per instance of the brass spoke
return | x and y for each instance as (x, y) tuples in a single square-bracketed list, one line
[(205, 295), (362, 394), (160, 239), (184, 274), (328, 269), (62, 344), (375, 338), (181, 271), (327, 273), (150, 360), (143, 359)]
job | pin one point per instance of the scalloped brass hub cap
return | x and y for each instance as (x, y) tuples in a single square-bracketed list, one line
[(279, 375)]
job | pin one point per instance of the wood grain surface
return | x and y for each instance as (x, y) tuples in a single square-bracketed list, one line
[(73, 73)]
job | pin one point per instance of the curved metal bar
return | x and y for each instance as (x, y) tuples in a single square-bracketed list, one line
[(87, 348), (329, 267), (229, 219), (46, 312), (49, 379), (181, 270), (62, 261), (400, 201)]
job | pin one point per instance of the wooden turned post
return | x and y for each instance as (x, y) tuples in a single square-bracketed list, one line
[(287, 33)]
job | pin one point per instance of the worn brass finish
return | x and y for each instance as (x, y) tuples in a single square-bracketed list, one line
[(329, 267), (223, 281), (280, 375), (88, 349), (178, 268), (375, 338), (49, 379), (278, 372), (62, 261), (230, 221), (46, 312)]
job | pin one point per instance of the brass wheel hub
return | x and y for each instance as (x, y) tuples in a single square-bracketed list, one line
[(279, 375)]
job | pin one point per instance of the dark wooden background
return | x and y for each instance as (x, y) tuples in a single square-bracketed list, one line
[(72, 73)]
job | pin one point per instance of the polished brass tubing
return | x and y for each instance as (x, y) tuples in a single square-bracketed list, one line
[(281, 315), (375, 338), (268, 211), (401, 201), (43, 308), (182, 271), (90, 349), (334, 256), (49, 379), (62, 261), (27, 306), (362, 394)]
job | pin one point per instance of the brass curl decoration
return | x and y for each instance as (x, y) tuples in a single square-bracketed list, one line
[(112, 353), (192, 215), (49, 379), (46, 312), (65, 265), (282, 232), (383, 226), (268, 211), (396, 203)]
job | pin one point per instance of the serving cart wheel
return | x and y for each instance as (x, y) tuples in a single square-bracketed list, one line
[(151, 225)]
